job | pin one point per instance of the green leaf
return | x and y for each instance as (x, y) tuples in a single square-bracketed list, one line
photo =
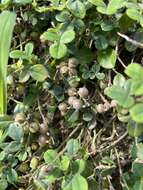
[(140, 150), (77, 8), (50, 34), (113, 6), (137, 168), (23, 2), (74, 116), (79, 165), (65, 162), (97, 2), (58, 50), (51, 157), (12, 176), (101, 42), (67, 36), (121, 94), (119, 79), (78, 182), (38, 72), (107, 59), (29, 48), (135, 71), (7, 22), (15, 132), (134, 129), (17, 54), (138, 184), (3, 184), (137, 112), (72, 147)]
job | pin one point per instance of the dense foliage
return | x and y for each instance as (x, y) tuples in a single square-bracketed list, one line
[(71, 95)]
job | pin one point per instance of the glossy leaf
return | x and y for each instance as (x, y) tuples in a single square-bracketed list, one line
[(107, 59), (38, 72), (72, 147), (137, 112), (58, 50)]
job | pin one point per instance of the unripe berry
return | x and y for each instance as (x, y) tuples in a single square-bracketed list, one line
[(34, 163), (34, 146), (64, 70), (62, 106), (77, 104), (34, 127), (71, 99), (20, 117), (73, 62), (83, 92), (100, 108), (72, 91)]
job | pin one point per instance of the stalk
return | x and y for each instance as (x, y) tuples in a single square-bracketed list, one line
[(7, 22)]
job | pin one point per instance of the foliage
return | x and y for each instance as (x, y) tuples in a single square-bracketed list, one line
[(71, 95)]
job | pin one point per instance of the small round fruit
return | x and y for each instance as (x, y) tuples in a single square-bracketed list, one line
[(43, 128), (34, 146), (106, 106), (20, 89), (114, 103), (77, 104), (23, 167), (100, 108), (71, 99), (72, 72), (34, 127), (42, 141), (64, 70), (83, 92), (72, 91), (34, 163), (73, 62), (20, 118), (62, 106)]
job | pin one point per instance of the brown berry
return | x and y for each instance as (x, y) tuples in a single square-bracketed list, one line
[(20, 117), (77, 104), (72, 91), (72, 72), (100, 108), (43, 128), (64, 70), (71, 99), (114, 103), (62, 106), (42, 141), (73, 62), (106, 106), (83, 92)]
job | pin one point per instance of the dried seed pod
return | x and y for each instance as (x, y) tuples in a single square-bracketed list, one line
[(106, 106), (43, 128), (100, 108), (71, 99), (42, 140), (73, 62), (62, 106), (20, 118), (77, 104), (64, 70), (72, 91), (72, 72), (83, 92), (113, 103)]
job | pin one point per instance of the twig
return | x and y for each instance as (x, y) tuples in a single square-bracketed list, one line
[(134, 42)]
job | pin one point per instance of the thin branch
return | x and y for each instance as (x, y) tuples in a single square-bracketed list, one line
[(134, 42)]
